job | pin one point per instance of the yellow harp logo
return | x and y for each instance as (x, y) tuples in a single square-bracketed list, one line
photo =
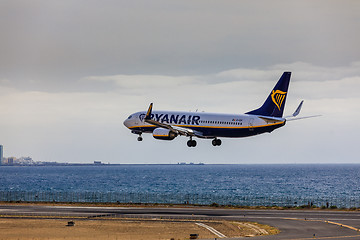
[(278, 97)]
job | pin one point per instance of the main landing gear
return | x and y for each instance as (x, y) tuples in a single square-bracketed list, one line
[(140, 138), (191, 143), (216, 142)]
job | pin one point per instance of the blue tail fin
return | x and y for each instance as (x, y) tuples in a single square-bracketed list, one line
[(275, 103)]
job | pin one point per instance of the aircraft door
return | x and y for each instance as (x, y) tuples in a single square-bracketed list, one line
[(251, 124)]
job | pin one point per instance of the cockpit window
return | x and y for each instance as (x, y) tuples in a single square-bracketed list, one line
[(130, 117)]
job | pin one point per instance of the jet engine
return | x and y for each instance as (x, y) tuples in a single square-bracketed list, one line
[(164, 134)]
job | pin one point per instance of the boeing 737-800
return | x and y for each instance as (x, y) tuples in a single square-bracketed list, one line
[(167, 125)]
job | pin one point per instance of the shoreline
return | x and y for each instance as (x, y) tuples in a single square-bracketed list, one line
[(156, 205)]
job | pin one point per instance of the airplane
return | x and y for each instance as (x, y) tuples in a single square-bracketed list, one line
[(167, 125)]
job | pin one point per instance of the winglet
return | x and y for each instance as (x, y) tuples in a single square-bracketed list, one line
[(297, 111), (148, 114)]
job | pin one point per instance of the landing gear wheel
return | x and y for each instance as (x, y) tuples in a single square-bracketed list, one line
[(216, 142), (191, 143), (139, 138)]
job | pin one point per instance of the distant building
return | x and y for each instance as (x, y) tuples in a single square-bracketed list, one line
[(97, 163), (24, 161), (11, 160), (1, 154)]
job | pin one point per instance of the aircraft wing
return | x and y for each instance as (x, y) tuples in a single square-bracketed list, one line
[(299, 118), (297, 111), (176, 129)]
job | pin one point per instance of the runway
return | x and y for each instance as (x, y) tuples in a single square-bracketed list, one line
[(293, 224)]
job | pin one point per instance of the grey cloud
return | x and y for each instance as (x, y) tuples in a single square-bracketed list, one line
[(301, 70), (51, 44)]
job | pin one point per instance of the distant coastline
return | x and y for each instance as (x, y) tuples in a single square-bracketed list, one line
[(40, 164)]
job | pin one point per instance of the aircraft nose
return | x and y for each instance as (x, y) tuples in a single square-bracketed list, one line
[(127, 123)]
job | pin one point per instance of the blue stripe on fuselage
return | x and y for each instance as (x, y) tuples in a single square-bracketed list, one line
[(209, 131)]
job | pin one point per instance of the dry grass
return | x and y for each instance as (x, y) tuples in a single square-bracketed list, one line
[(31, 229)]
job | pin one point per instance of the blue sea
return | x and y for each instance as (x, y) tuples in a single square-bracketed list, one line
[(222, 183)]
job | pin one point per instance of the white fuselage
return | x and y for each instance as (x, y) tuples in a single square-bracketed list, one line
[(212, 125)]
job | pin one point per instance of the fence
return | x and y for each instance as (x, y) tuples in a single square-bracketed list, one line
[(197, 199)]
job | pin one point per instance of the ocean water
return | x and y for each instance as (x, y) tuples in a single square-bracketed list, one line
[(324, 182)]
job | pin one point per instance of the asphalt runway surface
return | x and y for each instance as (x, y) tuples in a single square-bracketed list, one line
[(293, 224)]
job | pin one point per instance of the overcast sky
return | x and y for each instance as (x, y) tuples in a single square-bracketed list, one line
[(72, 71)]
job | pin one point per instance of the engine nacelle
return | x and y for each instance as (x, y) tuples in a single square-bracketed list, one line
[(164, 134)]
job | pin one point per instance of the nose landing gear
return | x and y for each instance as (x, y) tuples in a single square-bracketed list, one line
[(140, 138), (216, 142), (138, 133)]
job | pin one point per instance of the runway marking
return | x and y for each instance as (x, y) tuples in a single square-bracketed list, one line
[(337, 237), (81, 207), (342, 225), (253, 227), (213, 230), (326, 221)]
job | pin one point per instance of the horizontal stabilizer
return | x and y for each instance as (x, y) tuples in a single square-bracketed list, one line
[(270, 119)]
